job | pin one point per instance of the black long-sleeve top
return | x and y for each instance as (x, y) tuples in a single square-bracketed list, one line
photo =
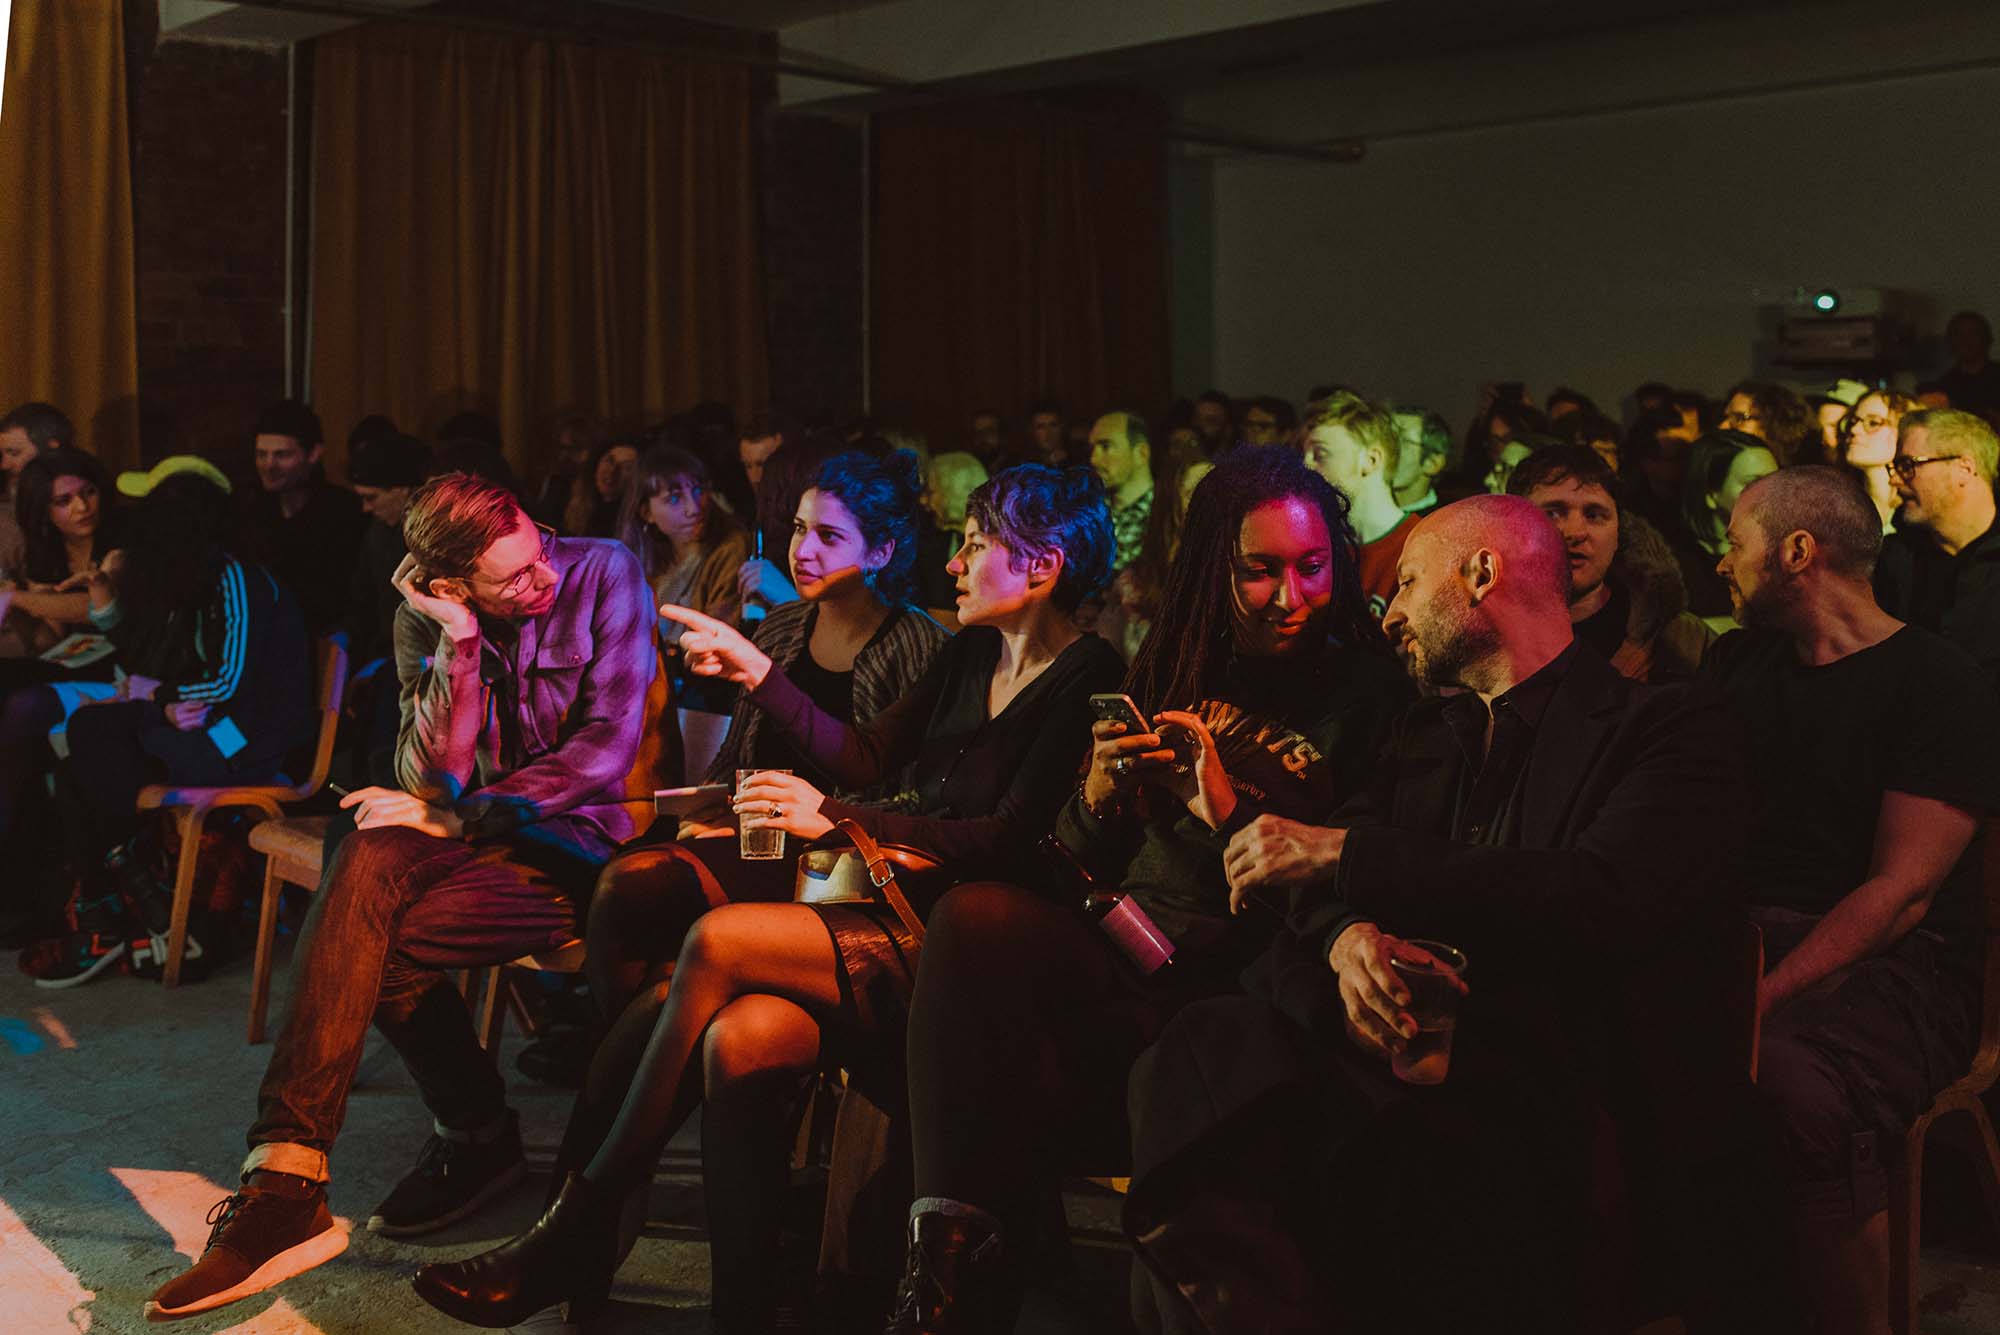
[(985, 789)]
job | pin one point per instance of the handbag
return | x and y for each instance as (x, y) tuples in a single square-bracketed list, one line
[(862, 874)]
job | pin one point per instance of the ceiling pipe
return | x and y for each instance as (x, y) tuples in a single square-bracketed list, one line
[(1198, 136)]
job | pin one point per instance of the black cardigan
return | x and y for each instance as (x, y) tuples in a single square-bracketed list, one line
[(986, 789)]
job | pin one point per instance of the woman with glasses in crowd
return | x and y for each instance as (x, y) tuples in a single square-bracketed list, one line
[(1869, 447), (991, 736)]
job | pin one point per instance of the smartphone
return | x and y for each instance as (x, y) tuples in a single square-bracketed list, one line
[(690, 801), (1117, 707)]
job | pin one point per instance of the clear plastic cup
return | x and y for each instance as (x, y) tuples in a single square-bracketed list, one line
[(755, 841), (1434, 973)]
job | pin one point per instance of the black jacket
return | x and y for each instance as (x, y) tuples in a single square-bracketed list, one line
[(1957, 597), (1595, 946)]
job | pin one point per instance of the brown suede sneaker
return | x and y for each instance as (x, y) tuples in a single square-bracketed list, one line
[(261, 1238)]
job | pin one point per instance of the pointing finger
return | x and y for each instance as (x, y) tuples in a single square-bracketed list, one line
[(687, 616)]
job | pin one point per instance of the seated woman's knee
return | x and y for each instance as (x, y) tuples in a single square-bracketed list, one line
[(646, 892), (94, 725), (981, 909), (719, 938), (755, 1037)]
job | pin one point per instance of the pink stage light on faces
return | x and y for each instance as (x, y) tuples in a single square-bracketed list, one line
[(41, 1293)]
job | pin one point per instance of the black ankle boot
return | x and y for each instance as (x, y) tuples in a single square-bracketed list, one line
[(955, 1279), (568, 1255)]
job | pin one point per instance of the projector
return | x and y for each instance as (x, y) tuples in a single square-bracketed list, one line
[(1842, 326)]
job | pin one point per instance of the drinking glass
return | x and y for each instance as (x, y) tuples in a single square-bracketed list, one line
[(1433, 972), (755, 841)]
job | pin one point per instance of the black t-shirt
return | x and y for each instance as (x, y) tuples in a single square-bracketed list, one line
[(1956, 596), (831, 691), (1604, 629), (1909, 715)]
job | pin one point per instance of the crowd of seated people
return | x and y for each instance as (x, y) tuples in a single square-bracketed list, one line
[(1207, 734)]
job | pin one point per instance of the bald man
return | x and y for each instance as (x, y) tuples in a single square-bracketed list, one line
[(1564, 828)]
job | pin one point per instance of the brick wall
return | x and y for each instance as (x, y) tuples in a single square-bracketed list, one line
[(208, 205), (813, 198)]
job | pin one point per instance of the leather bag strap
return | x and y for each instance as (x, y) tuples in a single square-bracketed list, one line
[(882, 874)]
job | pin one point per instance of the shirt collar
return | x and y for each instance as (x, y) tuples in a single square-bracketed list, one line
[(1525, 700)]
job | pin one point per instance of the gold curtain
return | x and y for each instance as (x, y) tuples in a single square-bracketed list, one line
[(1019, 250), (67, 311), (525, 227)]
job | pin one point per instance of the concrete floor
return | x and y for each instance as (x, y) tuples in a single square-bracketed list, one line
[(122, 1112)]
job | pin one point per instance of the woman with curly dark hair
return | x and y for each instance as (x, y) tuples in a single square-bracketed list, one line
[(1267, 687), (992, 734)]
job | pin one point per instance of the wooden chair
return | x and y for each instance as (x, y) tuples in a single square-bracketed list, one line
[(191, 806), (1975, 1130), (499, 996), (292, 847)]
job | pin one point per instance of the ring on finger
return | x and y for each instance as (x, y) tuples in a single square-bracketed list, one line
[(1121, 765)]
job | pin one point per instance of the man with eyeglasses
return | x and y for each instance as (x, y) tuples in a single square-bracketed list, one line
[(524, 660), (1941, 568), (1870, 749)]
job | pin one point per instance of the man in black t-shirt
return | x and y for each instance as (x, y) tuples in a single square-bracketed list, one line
[(1870, 746)]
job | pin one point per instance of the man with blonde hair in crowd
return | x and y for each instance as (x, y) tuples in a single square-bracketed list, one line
[(1353, 444), (1941, 568)]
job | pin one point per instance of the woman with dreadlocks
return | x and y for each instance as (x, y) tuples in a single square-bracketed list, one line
[(1269, 688)]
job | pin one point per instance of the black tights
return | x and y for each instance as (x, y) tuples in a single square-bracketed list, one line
[(713, 1007), (1021, 1034), (27, 712)]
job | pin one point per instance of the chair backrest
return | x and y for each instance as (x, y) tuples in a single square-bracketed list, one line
[(1986, 1061), (332, 691)]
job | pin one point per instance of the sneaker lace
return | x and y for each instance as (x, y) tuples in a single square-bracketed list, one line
[(221, 1213), (434, 1160)]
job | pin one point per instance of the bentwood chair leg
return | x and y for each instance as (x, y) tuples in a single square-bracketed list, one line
[(492, 1010), (267, 931), (190, 821), (1906, 1204)]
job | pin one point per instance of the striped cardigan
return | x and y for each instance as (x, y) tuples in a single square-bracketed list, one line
[(884, 671)]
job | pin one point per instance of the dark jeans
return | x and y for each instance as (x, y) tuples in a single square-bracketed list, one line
[(395, 910), (115, 749)]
